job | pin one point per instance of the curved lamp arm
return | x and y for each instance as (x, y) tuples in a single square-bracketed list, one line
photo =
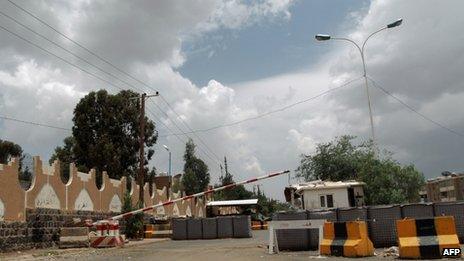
[(360, 49), (372, 34)]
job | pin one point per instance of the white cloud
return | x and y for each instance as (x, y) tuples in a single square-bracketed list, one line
[(418, 62), (233, 14), (39, 94)]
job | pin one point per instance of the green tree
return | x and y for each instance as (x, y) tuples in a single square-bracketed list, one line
[(134, 224), (267, 206), (387, 181), (65, 155), (8, 150), (196, 174), (235, 193), (106, 134)]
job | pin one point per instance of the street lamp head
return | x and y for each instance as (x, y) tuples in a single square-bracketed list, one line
[(322, 37), (166, 147), (396, 23)]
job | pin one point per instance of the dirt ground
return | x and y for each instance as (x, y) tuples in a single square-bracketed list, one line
[(165, 249)]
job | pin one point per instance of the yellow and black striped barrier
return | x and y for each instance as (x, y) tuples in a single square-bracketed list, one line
[(426, 238), (347, 239)]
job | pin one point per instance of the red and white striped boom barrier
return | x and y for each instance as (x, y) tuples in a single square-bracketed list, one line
[(129, 214)]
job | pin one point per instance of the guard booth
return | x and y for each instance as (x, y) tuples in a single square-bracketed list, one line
[(231, 207)]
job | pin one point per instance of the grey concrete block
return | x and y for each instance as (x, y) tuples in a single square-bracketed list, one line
[(382, 225), (455, 209), (352, 214), (179, 228), (209, 228), (194, 228), (292, 239), (225, 228), (419, 210), (242, 226)]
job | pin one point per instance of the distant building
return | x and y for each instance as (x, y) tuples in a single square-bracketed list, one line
[(326, 194), (448, 187)]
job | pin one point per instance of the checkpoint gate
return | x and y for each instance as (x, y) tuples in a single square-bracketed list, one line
[(292, 224)]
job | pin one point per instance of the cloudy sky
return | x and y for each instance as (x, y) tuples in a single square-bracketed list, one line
[(220, 62)]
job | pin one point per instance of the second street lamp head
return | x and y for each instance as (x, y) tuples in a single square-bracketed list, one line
[(166, 147), (396, 23), (322, 37)]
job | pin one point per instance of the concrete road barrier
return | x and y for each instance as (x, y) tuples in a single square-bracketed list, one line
[(419, 210), (194, 228), (295, 240), (348, 239), (455, 209), (330, 215), (382, 225), (242, 226), (179, 228), (426, 237), (225, 227), (352, 214), (209, 228)]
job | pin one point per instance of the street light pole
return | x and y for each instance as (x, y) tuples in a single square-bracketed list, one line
[(169, 173), (167, 148), (324, 37)]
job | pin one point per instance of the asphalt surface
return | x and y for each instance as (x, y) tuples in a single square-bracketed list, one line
[(165, 249)]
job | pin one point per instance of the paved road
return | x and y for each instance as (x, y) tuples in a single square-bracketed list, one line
[(218, 250)]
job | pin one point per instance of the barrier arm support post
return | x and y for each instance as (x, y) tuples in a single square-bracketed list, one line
[(293, 224)]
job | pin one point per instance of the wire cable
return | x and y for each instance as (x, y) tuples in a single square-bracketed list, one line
[(66, 50), (414, 110), (273, 111), (60, 58), (33, 123), (64, 60), (183, 133), (104, 60), (190, 129)]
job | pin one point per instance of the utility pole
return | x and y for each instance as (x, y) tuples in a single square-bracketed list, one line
[(141, 175)]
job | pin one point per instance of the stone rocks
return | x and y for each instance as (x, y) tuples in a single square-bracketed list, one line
[(42, 228)]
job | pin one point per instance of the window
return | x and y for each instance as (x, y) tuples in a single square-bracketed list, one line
[(330, 201), (322, 201), (326, 201)]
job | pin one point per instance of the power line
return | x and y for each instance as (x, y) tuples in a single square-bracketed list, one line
[(60, 58), (177, 135), (190, 129), (182, 132), (66, 50), (33, 123), (69, 63), (66, 37), (102, 59), (273, 111), (414, 110), (75, 55)]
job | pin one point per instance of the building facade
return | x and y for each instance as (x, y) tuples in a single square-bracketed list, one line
[(448, 187)]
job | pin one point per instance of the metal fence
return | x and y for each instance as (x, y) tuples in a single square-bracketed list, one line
[(211, 228), (381, 222), (455, 209)]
